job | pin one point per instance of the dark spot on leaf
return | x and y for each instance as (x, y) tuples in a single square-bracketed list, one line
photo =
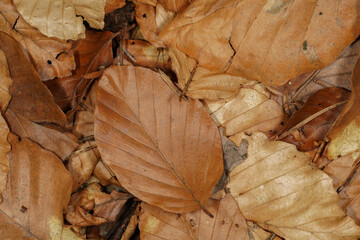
[(91, 211), (132, 43), (23, 209), (144, 15), (19, 139), (223, 222), (319, 104), (49, 62), (237, 225), (304, 47), (320, 13)]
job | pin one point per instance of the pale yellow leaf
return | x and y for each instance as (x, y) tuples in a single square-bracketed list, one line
[(62, 18), (279, 189)]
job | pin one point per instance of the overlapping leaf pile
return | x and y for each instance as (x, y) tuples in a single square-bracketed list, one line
[(190, 120)]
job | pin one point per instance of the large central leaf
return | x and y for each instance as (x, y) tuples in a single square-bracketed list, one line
[(165, 152)]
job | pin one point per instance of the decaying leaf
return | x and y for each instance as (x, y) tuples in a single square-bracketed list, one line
[(38, 190), (251, 38), (104, 206), (165, 152), (288, 196), (228, 222), (32, 111), (249, 111), (308, 135), (345, 135), (82, 162), (91, 54), (50, 56), (62, 18)]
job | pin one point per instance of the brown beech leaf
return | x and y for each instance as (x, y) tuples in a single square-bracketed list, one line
[(336, 74), (289, 196), (104, 174), (5, 82), (310, 134), (228, 222), (38, 190), (32, 111), (9, 229), (345, 135), (91, 53), (175, 6), (105, 207), (61, 18), (257, 233), (249, 38), (4, 149), (51, 57), (146, 55), (82, 162), (350, 197), (112, 5), (342, 168), (165, 152), (249, 111)]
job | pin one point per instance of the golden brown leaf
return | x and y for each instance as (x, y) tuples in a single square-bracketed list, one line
[(112, 5), (288, 196), (50, 56), (61, 18), (175, 6), (105, 206), (82, 162), (5, 82), (38, 190), (249, 111), (165, 152), (9, 229), (251, 38), (345, 135), (4, 149), (228, 222), (104, 174), (257, 233)]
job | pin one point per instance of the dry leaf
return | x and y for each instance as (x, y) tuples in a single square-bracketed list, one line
[(249, 111), (32, 111), (5, 82), (104, 207), (175, 6), (9, 229), (38, 190), (250, 38), (345, 135), (50, 56), (310, 134), (289, 196), (62, 18), (104, 174), (228, 222), (350, 200), (82, 162), (91, 53), (257, 233), (112, 5), (165, 152), (4, 149), (342, 168)]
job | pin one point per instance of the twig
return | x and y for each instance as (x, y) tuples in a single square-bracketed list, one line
[(305, 121), (187, 84)]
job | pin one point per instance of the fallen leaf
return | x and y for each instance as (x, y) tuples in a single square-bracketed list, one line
[(249, 111), (51, 57), (311, 133), (38, 190), (9, 229), (4, 149), (112, 5), (61, 18), (92, 53), (104, 174), (345, 134), (131, 227), (228, 222), (349, 197), (82, 162), (257, 233), (175, 6), (32, 111), (289, 196), (342, 168), (250, 38), (146, 55), (5, 82), (157, 146), (104, 207)]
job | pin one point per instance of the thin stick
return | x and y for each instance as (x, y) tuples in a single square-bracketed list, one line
[(207, 212), (305, 121), (187, 84)]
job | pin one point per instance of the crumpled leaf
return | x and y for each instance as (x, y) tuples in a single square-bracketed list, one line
[(345, 135), (82, 162), (92, 53), (50, 56), (228, 222), (249, 111), (32, 111), (62, 18), (38, 190), (310, 135), (105, 207), (289, 196), (165, 152), (250, 38)]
